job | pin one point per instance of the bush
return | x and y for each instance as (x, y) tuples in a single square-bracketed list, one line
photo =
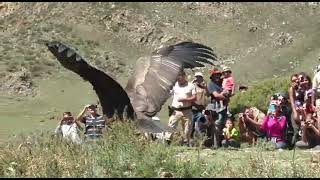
[(259, 94)]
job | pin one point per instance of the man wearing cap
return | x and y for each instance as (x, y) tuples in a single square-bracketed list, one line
[(200, 104), (95, 124), (184, 95), (216, 92)]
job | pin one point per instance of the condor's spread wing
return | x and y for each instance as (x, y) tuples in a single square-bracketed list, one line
[(111, 95), (150, 85)]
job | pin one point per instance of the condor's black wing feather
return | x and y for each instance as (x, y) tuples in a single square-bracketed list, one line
[(112, 96)]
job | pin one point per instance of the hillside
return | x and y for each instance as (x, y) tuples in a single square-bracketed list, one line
[(258, 40)]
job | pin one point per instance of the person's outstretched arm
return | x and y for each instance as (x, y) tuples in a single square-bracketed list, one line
[(81, 114)]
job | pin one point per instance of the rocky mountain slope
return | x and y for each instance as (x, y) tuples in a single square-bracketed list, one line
[(258, 40)]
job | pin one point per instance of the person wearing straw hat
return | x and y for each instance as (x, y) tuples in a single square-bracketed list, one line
[(228, 84), (228, 81)]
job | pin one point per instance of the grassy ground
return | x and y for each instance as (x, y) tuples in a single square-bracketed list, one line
[(123, 154), (64, 93)]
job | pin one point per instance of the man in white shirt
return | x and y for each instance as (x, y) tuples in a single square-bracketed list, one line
[(183, 96)]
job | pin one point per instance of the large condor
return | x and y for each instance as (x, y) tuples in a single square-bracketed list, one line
[(149, 86)]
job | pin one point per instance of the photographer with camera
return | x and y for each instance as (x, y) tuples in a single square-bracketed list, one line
[(198, 106), (312, 134), (95, 124), (309, 126), (274, 125), (316, 88), (68, 128), (250, 121)]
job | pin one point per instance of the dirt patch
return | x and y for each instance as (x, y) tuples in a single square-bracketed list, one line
[(7, 8), (221, 10), (18, 83)]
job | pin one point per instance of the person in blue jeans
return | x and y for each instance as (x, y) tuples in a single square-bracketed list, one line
[(198, 122), (198, 107), (216, 93)]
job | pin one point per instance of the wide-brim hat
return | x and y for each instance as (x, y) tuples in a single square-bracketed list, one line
[(198, 74), (226, 69)]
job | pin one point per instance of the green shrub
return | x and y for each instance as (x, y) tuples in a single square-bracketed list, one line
[(259, 94)]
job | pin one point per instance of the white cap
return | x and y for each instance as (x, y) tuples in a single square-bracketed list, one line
[(198, 74), (155, 118)]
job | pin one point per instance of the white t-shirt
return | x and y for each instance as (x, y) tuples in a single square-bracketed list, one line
[(182, 92), (70, 131)]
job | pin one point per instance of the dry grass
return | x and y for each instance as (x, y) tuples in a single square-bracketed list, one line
[(124, 154)]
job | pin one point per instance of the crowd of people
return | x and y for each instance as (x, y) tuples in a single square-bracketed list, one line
[(290, 121), (202, 108)]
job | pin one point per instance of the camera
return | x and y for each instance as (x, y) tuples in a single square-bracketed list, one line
[(201, 85), (274, 97), (211, 113), (207, 112), (301, 78)]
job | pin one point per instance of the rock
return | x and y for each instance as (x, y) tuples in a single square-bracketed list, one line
[(166, 175), (253, 29), (283, 39), (313, 3), (18, 83), (7, 8)]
